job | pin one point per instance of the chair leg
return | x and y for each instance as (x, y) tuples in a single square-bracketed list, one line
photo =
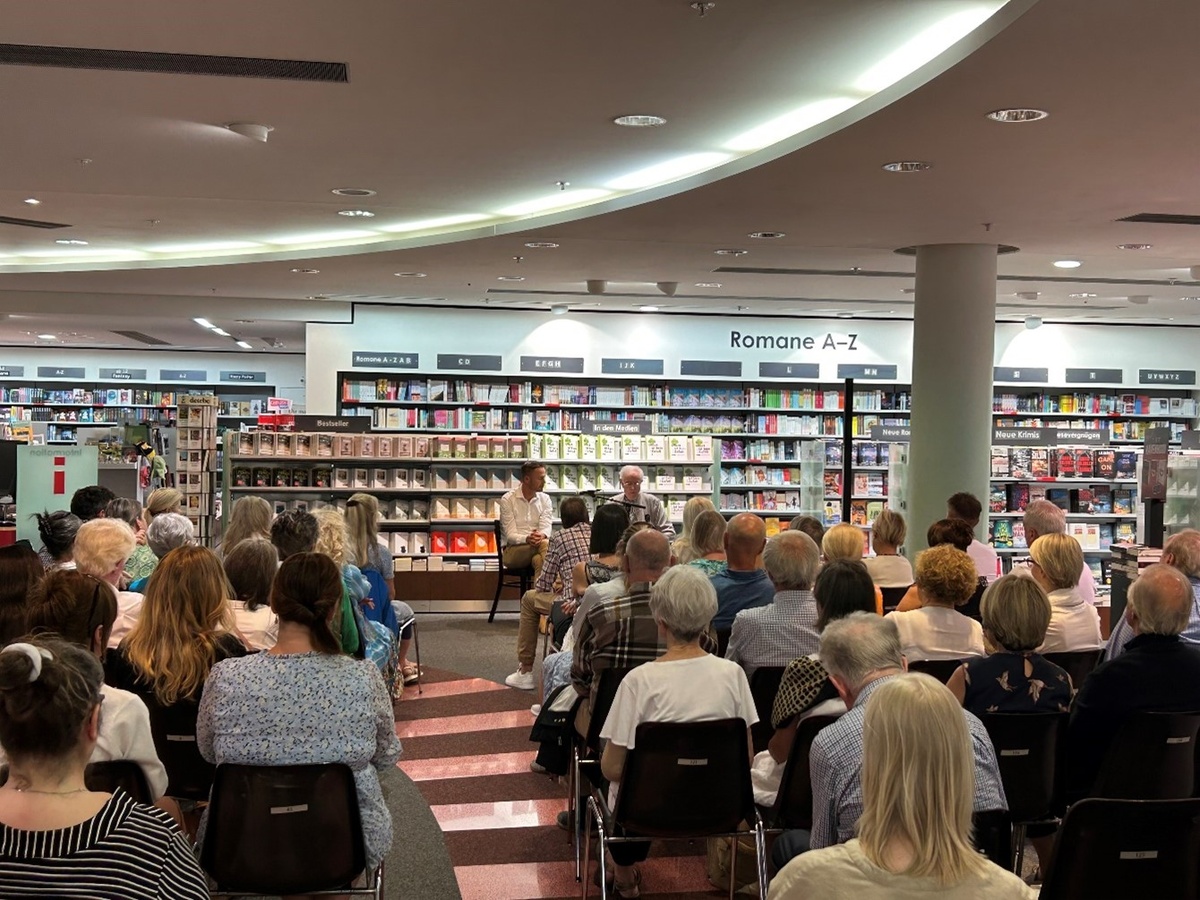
[(733, 855), (586, 855), (760, 853), (576, 812), (496, 598), (1019, 845), (379, 882), (417, 649)]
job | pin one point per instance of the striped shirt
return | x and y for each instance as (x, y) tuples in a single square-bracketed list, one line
[(126, 851)]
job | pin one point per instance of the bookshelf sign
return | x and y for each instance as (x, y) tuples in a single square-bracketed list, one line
[(257, 377), (1098, 376), (1166, 376), (789, 370), (60, 372), (635, 426), (182, 375), (631, 366), (729, 369), (1066, 436), (473, 362), (12, 371), (898, 433), (385, 360), (882, 373), (573, 364), (1050, 437), (124, 374), (1154, 464), (1020, 375), (333, 423)]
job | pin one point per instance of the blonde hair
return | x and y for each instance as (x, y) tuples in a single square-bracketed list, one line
[(889, 527), (162, 500), (707, 534), (684, 546), (1060, 558), (102, 545), (843, 541), (362, 521), (332, 536), (186, 610), (946, 575), (693, 508), (1016, 613), (918, 779), (250, 516)]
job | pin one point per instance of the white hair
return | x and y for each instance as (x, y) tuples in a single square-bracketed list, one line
[(629, 470), (856, 645), (791, 559), (1044, 518), (168, 531), (684, 602)]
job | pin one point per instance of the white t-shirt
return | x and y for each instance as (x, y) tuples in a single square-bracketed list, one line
[(889, 571), (129, 607), (985, 559), (935, 632), (259, 627), (1074, 624), (685, 690)]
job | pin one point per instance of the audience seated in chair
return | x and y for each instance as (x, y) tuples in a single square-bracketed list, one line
[(958, 534), (165, 532), (57, 531), (945, 579), (20, 571), (102, 547), (62, 839), (250, 567), (1181, 550), (142, 561), (917, 786), (887, 567), (968, 509), (1055, 560), (706, 548), (742, 584), (682, 547), (250, 517)]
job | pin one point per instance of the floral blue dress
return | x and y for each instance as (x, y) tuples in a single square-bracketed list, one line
[(293, 709), (998, 683)]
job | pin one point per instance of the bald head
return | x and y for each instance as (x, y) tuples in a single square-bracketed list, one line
[(647, 556), (745, 538), (1043, 517), (1160, 601), (1182, 550)]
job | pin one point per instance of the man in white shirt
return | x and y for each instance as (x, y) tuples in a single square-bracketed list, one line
[(968, 508), (525, 517), (1043, 517)]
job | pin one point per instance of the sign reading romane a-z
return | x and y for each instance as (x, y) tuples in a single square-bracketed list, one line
[(745, 340)]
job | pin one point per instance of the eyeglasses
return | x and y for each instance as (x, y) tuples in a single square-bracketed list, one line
[(632, 482)]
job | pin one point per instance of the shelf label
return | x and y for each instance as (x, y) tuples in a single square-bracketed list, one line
[(1064, 436), (12, 371), (572, 364), (1166, 376), (1051, 437), (123, 374), (60, 371), (729, 369), (789, 370), (182, 375), (898, 433), (257, 377), (1020, 437), (1099, 376), (634, 426), (1021, 375), (333, 423), (385, 360), (475, 362), (631, 366), (881, 373)]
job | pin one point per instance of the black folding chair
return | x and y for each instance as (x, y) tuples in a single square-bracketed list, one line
[(892, 597), (941, 669), (280, 830), (1077, 663), (681, 780), (119, 773), (400, 626), (1116, 849), (1029, 749), (520, 578), (722, 640), (991, 831), (1153, 757), (764, 685), (173, 728), (794, 802)]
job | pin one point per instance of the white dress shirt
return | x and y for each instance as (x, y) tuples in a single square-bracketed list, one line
[(1074, 623), (936, 632), (519, 517)]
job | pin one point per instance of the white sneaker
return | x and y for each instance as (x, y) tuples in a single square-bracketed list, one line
[(522, 681), (536, 710)]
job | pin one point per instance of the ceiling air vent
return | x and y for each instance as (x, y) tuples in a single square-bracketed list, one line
[(143, 338), (1162, 219), (30, 223), (171, 63)]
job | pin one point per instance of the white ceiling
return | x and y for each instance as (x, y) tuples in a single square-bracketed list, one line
[(454, 108)]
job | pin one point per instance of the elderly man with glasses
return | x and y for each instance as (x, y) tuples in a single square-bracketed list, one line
[(641, 506)]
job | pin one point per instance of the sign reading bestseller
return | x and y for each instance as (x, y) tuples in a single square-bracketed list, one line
[(333, 423)]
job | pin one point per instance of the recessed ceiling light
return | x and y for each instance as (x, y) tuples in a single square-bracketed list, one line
[(728, 252), (1032, 322), (71, 242), (204, 323), (357, 213), (907, 165), (767, 235), (1082, 296), (243, 345), (908, 290), (47, 337), (410, 274), (222, 332), (560, 309), (541, 245), (648, 308), (309, 297), (1017, 114), (353, 192), (845, 315), (1067, 264), (32, 201), (510, 277), (1028, 295), (708, 284), (640, 121), (1134, 246), (307, 271)]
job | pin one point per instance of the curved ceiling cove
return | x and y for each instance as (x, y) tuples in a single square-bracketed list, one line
[(144, 168)]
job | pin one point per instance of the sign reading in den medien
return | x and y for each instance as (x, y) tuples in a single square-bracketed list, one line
[(634, 426)]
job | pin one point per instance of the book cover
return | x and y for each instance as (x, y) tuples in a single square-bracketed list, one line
[(1106, 464), (587, 447), (242, 476), (1002, 533), (655, 447), (1060, 497), (1020, 462), (1125, 464), (997, 498), (1039, 462), (1017, 497), (858, 512), (281, 478), (439, 542), (322, 477), (361, 479), (301, 477), (570, 446), (262, 477), (1122, 501), (1084, 464), (1065, 463), (999, 462), (462, 541), (1082, 501), (1101, 499)]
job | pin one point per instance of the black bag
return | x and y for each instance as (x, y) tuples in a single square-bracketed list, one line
[(552, 731)]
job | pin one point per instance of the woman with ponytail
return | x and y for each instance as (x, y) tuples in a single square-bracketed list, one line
[(58, 837), (303, 701)]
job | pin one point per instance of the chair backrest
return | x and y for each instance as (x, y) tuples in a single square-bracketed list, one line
[(1029, 749), (1153, 757), (941, 669), (892, 597), (685, 779), (722, 639), (764, 685), (173, 729), (603, 693), (118, 773), (971, 609), (283, 829), (991, 834), (1126, 848), (1077, 663), (794, 802)]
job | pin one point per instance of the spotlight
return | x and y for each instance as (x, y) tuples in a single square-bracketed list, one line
[(668, 287), (1032, 322), (560, 309)]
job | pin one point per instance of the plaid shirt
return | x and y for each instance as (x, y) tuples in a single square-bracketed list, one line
[(775, 634), (835, 766), (566, 547)]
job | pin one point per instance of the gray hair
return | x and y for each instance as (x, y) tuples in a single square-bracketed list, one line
[(1044, 518), (791, 559), (684, 602), (1161, 598), (168, 531), (1184, 547), (625, 470), (858, 644)]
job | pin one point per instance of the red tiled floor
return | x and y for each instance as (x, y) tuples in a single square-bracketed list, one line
[(502, 814), (467, 766), (533, 881), (450, 689), (463, 724)]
